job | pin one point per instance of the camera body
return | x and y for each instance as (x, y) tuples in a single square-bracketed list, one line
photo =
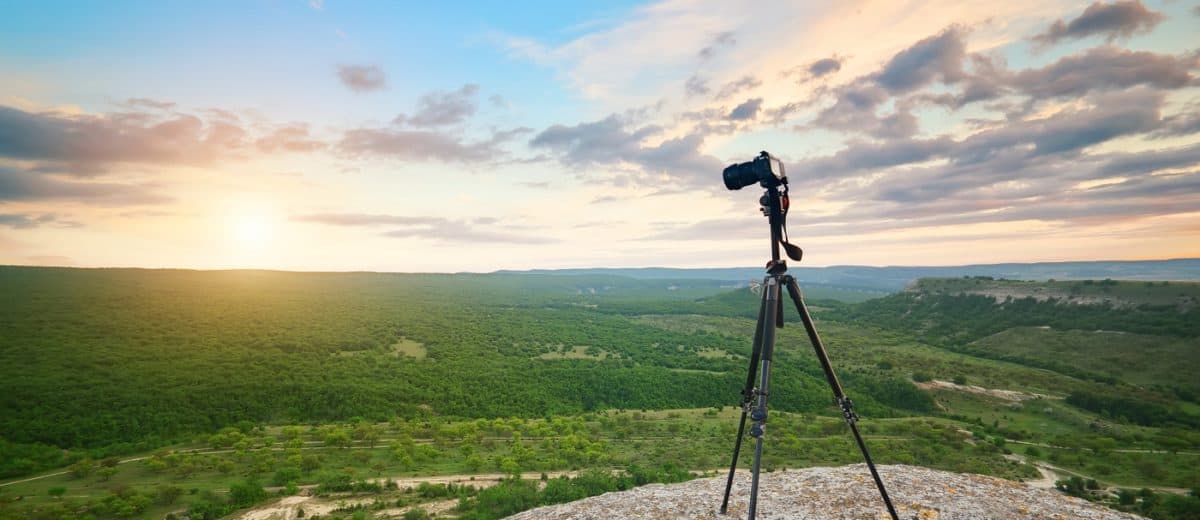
[(765, 169)]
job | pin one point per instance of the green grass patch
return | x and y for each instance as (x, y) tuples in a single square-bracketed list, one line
[(409, 348)]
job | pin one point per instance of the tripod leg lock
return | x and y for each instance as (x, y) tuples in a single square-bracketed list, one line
[(759, 414), (847, 407), (748, 400)]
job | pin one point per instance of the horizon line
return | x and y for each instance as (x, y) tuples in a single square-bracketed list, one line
[(533, 269)]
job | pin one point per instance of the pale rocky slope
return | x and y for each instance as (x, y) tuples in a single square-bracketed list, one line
[(843, 493)]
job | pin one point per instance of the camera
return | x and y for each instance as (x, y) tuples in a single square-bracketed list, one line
[(764, 169)]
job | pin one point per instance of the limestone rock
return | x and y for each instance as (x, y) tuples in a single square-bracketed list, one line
[(836, 493)]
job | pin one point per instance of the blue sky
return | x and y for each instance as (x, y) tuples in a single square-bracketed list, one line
[(421, 136)]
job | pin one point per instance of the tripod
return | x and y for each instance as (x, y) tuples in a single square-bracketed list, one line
[(770, 317)]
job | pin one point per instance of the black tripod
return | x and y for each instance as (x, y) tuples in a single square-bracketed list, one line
[(770, 317)]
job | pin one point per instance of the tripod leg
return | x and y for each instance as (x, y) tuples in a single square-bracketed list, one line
[(843, 402), (759, 414), (747, 396)]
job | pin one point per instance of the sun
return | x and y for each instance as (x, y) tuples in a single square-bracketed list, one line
[(252, 229)]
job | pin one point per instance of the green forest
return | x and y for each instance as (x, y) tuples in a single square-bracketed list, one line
[(144, 393)]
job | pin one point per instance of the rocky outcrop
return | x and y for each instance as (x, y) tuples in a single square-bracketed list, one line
[(843, 493)]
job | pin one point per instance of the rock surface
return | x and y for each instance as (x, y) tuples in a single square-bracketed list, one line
[(844, 493)]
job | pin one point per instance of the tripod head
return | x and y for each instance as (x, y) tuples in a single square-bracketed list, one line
[(767, 170)]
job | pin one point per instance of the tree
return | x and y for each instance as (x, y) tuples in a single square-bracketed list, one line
[(286, 475), (167, 494), (474, 462), (106, 473), (337, 437), (310, 463), (82, 468), (510, 467), (246, 492)]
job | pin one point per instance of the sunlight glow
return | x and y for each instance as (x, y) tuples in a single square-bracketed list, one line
[(253, 229)]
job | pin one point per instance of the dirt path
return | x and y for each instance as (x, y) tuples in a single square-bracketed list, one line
[(1007, 395), (57, 473), (1118, 450), (288, 508)]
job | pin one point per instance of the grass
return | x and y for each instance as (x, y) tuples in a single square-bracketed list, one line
[(410, 348), (861, 350), (1135, 358), (713, 353), (690, 438)]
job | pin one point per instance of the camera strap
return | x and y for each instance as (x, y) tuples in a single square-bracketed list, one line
[(793, 252)]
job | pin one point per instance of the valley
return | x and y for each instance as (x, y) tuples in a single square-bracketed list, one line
[(131, 393)]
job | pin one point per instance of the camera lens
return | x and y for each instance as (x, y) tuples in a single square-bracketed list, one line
[(739, 176)]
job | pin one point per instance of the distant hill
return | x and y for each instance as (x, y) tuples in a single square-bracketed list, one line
[(896, 278), (1087, 292)]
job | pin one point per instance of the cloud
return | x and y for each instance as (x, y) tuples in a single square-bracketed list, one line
[(422, 145), (443, 108), (1029, 151), (908, 79), (1113, 21), (737, 85), (748, 110), (22, 221), (456, 231), (1035, 168), (429, 228), (86, 144), (935, 58), (824, 66), (608, 142), (814, 70), (696, 86), (860, 156), (364, 219), (855, 111), (711, 229), (1033, 144), (1150, 161), (723, 39), (144, 103), (21, 185), (939, 58), (1105, 68), (362, 78), (290, 138), (1187, 122)]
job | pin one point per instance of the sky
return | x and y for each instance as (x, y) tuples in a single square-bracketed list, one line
[(429, 137)]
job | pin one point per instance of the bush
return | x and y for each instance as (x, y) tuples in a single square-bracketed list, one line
[(246, 493), (286, 475)]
